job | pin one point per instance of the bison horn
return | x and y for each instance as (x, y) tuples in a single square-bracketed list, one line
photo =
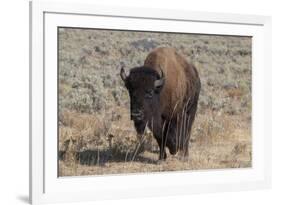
[(159, 83), (161, 74), (123, 74)]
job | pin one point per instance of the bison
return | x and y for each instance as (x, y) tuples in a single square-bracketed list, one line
[(164, 95)]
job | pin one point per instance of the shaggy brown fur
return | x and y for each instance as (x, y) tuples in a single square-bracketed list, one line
[(181, 79)]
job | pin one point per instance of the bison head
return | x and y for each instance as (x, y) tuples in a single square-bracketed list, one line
[(144, 86)]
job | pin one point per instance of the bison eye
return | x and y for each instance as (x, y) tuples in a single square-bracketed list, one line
[(148, 94)]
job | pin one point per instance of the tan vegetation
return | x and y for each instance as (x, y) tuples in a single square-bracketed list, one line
[(96, 135)]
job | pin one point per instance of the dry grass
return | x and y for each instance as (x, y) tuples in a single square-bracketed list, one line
[(96, 135), (217, 142)]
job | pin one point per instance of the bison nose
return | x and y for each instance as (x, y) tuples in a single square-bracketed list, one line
[(136, 115)]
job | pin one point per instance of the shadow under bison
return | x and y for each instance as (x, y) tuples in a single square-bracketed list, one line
[(101, 157)]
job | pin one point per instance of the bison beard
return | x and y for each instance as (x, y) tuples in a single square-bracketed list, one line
[(164, 95)]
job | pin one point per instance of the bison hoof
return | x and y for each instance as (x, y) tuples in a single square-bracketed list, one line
[(162, 157), (173, 150)]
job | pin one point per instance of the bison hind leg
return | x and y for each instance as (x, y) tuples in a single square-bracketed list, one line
[(188, 120)]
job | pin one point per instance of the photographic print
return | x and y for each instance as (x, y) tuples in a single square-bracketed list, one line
[(143, 101)]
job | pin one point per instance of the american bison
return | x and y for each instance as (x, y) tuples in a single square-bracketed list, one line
[(164, 95)]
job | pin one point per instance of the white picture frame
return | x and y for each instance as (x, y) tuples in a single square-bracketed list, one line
[(46, 187)]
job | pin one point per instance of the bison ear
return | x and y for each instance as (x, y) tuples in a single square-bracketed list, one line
[(123, 74)]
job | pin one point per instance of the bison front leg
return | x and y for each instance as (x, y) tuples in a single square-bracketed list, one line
[(156, 126), (166, 138), (162, 154), (170, 133)]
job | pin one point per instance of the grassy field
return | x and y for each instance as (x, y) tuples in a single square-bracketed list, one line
[(96, 135)]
